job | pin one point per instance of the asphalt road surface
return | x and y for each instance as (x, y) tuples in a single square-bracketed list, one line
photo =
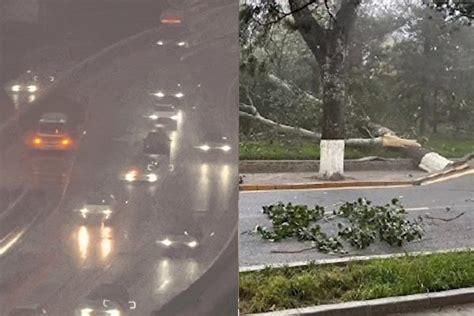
[(441, 200), (51, 257)]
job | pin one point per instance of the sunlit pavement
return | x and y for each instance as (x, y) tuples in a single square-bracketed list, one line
[(49, 257), (443, 200)]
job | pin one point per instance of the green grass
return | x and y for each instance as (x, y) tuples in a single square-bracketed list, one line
[(451, 148), (286, 288), (309, 150)]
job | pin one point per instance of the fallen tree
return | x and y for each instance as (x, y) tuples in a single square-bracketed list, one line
[(379, 136)]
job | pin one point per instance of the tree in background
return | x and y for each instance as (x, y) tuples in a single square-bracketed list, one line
[(376, 61)]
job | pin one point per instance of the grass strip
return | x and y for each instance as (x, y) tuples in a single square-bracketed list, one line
[(309, 150), (294, 287)]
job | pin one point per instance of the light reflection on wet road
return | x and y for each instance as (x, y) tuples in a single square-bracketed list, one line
[(61, 258)]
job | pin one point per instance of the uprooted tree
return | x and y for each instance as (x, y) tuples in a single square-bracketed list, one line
[(326, 27)]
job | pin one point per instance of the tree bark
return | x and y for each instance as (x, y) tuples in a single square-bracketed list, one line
[(333, 91)]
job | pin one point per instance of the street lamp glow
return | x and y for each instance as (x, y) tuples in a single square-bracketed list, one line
[(179, 95), (160, 94), (205, 147), (181, 44), (154, 117), (225, 148), (174, 117), (160, 43)]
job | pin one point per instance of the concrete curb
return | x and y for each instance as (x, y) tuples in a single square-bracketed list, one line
[(442, 174), (384, 306), (343, 260), (439, 176)]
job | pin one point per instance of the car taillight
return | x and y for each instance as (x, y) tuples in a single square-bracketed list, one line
[(66, 141), (37, 141)]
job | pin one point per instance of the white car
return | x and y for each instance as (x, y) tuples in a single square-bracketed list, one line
[(213, 143), (164, 111), (97, 209), (173, 34)]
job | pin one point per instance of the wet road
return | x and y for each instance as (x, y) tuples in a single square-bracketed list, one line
[(451, 199), (49, 256)]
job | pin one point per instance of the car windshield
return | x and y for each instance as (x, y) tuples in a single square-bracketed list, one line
[(164, 108), (173, 32), (52, 128), (98, 200), (169, 99)]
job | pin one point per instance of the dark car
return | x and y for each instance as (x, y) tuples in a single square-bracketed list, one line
[(144, 169), (28, 311), (107, 299), (173, 39), (157, 142), (179, 242)]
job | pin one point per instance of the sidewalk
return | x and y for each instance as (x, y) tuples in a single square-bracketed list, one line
[(459, 310), (310, 177)]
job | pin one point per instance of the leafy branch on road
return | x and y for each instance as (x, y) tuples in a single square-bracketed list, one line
[(361, 223)]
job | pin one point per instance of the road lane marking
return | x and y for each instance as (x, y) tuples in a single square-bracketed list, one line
[(418, 208), (13, 204)]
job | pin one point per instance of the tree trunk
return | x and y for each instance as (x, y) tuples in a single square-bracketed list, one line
[(434, 124), (333, 129)]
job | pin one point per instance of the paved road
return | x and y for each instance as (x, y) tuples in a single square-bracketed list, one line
[(459, 310), (456, 194), (50, 257)]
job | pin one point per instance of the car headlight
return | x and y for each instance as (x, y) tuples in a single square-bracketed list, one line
[(113, 312), (174, 117), (225, 148), (86, 311), (179, 95), (130, 176), (154, 117), (32, 88), (84, 211), (160, 94), (166, 242), (181, 44), (160, 43), (205, 147), (152, 177), (192, 244), (16, 88)]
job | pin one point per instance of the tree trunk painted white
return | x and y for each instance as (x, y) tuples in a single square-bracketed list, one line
[(332, 159), (432, 162)]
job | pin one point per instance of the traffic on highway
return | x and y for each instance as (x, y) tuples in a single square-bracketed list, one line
[(119, 175)]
